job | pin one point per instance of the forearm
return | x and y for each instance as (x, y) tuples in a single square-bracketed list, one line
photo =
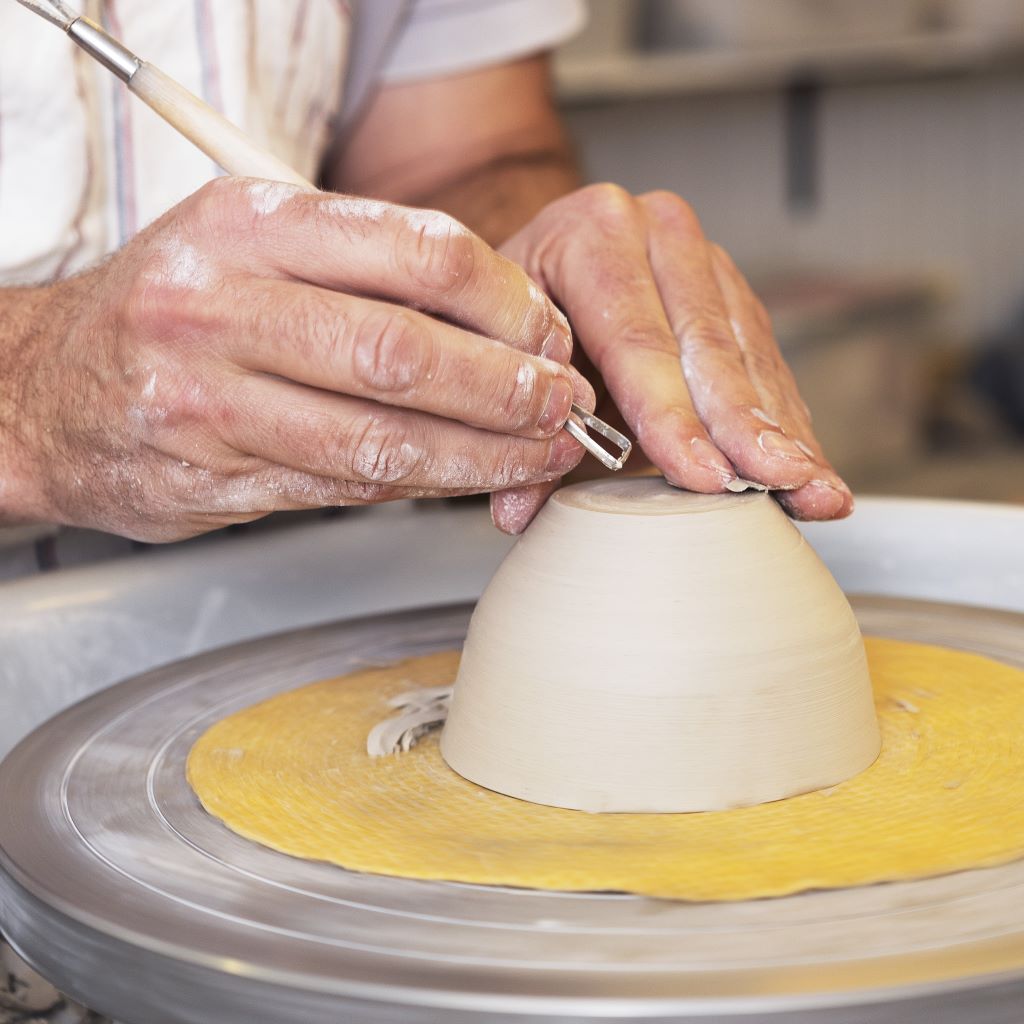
[(24, 312), (497, 198), (488, 147)]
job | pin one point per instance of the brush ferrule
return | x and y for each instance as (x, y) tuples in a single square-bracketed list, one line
[(107, 50)]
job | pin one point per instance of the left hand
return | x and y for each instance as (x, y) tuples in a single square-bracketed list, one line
[(684, 346)]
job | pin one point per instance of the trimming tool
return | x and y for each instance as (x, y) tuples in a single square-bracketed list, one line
[(229, 147)]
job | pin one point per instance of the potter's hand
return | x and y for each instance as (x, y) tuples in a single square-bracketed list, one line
[(683, 345), (262, 348)]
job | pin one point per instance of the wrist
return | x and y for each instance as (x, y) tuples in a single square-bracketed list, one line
[(24, 316)]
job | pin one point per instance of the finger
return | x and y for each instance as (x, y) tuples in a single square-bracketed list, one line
[(352, 439), (244, 498), (419, 258), (274, 488), (513, 510), (765, 366), (220, 483), (826, 496), (602, 278), (817, 500), (713, 367), (364, 348)]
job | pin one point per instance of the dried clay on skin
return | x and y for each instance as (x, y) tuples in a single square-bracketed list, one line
[(182, 265), (267, 196)]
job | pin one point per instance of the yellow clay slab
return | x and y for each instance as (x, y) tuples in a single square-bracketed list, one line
[(946, 794)]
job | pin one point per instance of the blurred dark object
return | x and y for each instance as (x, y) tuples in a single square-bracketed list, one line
[(636, 49), (957, 418), (803, 115), (756, 23), (858, 346), (998, 374), (27, 998)]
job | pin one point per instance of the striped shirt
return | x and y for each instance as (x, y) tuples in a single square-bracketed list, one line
[(83, 165)]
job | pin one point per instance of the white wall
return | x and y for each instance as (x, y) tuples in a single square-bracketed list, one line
[(925, 175)]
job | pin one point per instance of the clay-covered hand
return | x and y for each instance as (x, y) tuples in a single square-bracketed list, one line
[(683, 345), (262, 348)]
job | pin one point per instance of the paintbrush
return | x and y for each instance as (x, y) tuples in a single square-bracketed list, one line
[(213, 133), (229, 147)]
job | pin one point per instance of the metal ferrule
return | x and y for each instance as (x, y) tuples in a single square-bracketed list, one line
[(108, 51)]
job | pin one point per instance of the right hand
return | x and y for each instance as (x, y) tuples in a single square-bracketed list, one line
[(262, 348)]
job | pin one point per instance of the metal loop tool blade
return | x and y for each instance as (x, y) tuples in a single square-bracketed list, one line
[(603, 455)]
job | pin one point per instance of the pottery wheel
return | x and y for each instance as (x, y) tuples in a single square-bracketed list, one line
[(117, 886)]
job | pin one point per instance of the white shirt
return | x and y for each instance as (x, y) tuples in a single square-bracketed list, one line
[(84, 165)]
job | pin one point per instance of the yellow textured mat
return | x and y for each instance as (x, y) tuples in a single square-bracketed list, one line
[(946, 793)]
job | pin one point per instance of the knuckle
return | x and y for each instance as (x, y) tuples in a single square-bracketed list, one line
[(609, 203), (761, 364), (704, 332), (263, 198), (542, 318), (302, 325), (678, 421), (382, 453), (517, 463), (149, 306), (220, 201), (184, 403), (390, 351), (647, 335), (515, 394), (314, 442), (363, 493), (167, 299), (222, 185), (349, 220), (296, 324), (585, 395), (671, 208), (441, 254)]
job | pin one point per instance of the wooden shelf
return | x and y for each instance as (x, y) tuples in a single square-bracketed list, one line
[(640, 75)]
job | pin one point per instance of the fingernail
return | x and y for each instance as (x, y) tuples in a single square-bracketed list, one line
[(837, 484), (558, 344), (826, 498), (707, 455), (565, 454), (832, 484), (773, 443), (806, 449), (556, 412), (582, 389), (512, 510), (761, 415)]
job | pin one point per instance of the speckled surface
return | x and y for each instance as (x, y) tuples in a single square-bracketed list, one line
[(26, 998)]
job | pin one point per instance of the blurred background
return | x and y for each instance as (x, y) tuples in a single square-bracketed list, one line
[(863, 162)]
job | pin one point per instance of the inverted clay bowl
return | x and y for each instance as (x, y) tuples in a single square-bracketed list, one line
[(643, 648)]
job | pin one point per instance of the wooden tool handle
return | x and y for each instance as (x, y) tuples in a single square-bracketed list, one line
[(213, 133)]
